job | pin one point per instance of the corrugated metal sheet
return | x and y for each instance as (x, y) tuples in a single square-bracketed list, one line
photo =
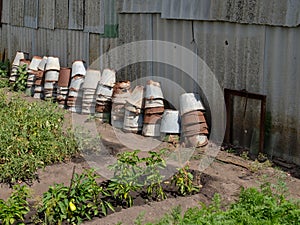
[(98, 47), (94, 16), (78, 46), (135, 27), (31, 13), (3, 40), (58, 46), (145, 6), (5, 12), (62, 14), (76, 14), (272, 12), (17, 12), (282, 86), (111, 28), (20, 39), (46, 13)]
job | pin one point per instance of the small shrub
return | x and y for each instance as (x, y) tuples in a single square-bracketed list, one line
[(16, 207)]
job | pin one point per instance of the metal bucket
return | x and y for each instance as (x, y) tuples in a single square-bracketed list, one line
[(78, 68), (76, 84), (64, 77), (91, 80), (18, 57), (190, 102), (132, 120), (136, 97), (195, 131), (49, 85), (108, 78), (196, 141), (52, 64), (35, 61), (132, 108), (152, 118), (121, 98), (155, 103), (43, 63), (153, 90), (193, 118), (117, 123), (24, 62), (157, 110), (51, 75), (195, 127), (170, 122), (151, 130), (104, 90)]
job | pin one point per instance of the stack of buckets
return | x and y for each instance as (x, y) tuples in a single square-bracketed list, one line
[(104, 94), (38, 84), (120, 94), (154, 108), (63, 86), (89, 88), (195, 129), (33, 70), (133, 117), (75, 92), (51, 78), (15, 66)]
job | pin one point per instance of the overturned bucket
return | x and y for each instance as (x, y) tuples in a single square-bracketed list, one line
[(35, 61), (19, 55), (190, 102), (78, 68), (52, 63), (64, 77), (170, 122), (153, 90), (91, 79), (43, 63), (108, 78)]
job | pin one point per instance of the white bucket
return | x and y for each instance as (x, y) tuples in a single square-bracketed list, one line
[(155, 103), (51, 75), (52, 63), (170, 122), (151, 130), (92, 78), (35, 61), (153, 90), (76, 85), (18, 57), (136, 97), (43, 63), (104, 90), (78, 68), (190, 102), (108, 77)]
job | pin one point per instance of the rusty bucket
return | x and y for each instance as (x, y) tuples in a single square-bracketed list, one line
[(193, 118), (64, 77)]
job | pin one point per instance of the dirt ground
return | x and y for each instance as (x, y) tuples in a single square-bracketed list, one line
[(226, 175)]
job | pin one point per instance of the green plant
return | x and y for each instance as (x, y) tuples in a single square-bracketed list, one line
[(21, 81), (127, 171), (4, 69), (82, 200), (31, 136), (16, 207), (154, 179), (183, 180), (4, 82)]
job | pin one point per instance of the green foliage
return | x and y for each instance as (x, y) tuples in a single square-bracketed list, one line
[(127, 171), (184, 181), (4, 69), (253, 207), (21, 81), (16, 207), (4, 82), (31, 136), (81, 201)]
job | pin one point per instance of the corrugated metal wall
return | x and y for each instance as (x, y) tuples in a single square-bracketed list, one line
[(247, 44), (59, 28)]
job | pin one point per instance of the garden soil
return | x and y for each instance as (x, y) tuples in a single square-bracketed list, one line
[(226, 176)]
